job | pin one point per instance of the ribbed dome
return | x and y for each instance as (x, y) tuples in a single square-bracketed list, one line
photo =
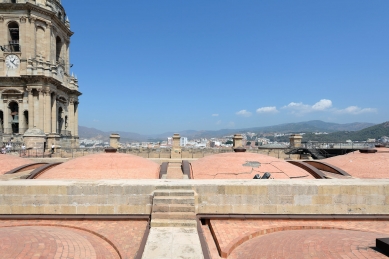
[(363, 165), (9, 162), (245, 166)]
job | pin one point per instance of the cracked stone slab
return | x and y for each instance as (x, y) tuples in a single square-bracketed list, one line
[(173, 243)]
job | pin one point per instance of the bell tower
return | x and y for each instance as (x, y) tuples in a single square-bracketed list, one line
[(37, 88)]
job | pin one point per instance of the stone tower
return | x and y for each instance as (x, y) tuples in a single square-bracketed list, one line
[(36, 87)]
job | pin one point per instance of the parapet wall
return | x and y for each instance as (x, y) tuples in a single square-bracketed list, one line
[(352, 196)]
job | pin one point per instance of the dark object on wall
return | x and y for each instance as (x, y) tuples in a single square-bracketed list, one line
[(266, 175), (382, 244)]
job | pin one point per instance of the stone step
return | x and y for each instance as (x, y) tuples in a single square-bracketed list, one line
[(173, 223), (174, 193), (174, 200), (174, 187), (173, 208), (174, 215)]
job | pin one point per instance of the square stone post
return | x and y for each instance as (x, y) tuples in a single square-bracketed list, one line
[(237, 140), (295, 140), (176, 149), (114, 140)]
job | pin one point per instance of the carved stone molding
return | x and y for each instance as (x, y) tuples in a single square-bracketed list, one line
[(32, 19), (23, 19), (1, 18)]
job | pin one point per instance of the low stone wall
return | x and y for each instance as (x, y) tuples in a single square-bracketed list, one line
[(352, 196)]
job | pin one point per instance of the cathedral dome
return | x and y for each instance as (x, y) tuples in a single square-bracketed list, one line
[(9, 162), (363, 165), (245, 166), (104, 166)]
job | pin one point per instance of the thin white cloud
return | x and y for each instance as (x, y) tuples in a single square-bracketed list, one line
[(322, 105), (356, 110), (269, 109), (218, 122), (244, 113), (215, 115), (231, 124)]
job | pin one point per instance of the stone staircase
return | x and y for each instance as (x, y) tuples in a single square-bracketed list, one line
[(174, 206)]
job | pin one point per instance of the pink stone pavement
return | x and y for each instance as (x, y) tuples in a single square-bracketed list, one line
[(237, 238), (313, 243), (9, 162), (362, 165), (105, 166), (78, 239), (231, 166)]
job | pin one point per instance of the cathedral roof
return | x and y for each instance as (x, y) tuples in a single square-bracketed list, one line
[(363, 165), (245, 166), (105, 166)]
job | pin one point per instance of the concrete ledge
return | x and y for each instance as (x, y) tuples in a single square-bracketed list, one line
[(347, 197)]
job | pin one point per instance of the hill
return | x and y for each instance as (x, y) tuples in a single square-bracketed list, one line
[(307, 126), (373, 132)]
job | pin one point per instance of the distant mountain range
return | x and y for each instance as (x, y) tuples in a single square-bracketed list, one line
[(307, 126), (373, 132)]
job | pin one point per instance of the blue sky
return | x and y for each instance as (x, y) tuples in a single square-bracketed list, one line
[(171, 65)]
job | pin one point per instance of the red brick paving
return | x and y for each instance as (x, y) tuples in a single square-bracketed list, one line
[(52, 242), (232, 233), (70, 238), (230, 166), (105, 166), (319, 243)]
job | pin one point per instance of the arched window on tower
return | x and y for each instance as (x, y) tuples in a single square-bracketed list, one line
[(14, 112), (58, 47), (13, 1), (1, 122), (60, 120), (13, 36)]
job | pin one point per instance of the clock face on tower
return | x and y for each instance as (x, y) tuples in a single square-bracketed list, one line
[(12, 61), (60, 73)]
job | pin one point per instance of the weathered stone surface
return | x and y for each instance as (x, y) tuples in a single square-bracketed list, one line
[(351, 196)]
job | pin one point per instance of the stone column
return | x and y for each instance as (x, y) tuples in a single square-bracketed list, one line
[(47, 117), (71, 115), (76, 119), (41, 110), (30, 109), (54, 114), (22, 121), (6, 118)]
